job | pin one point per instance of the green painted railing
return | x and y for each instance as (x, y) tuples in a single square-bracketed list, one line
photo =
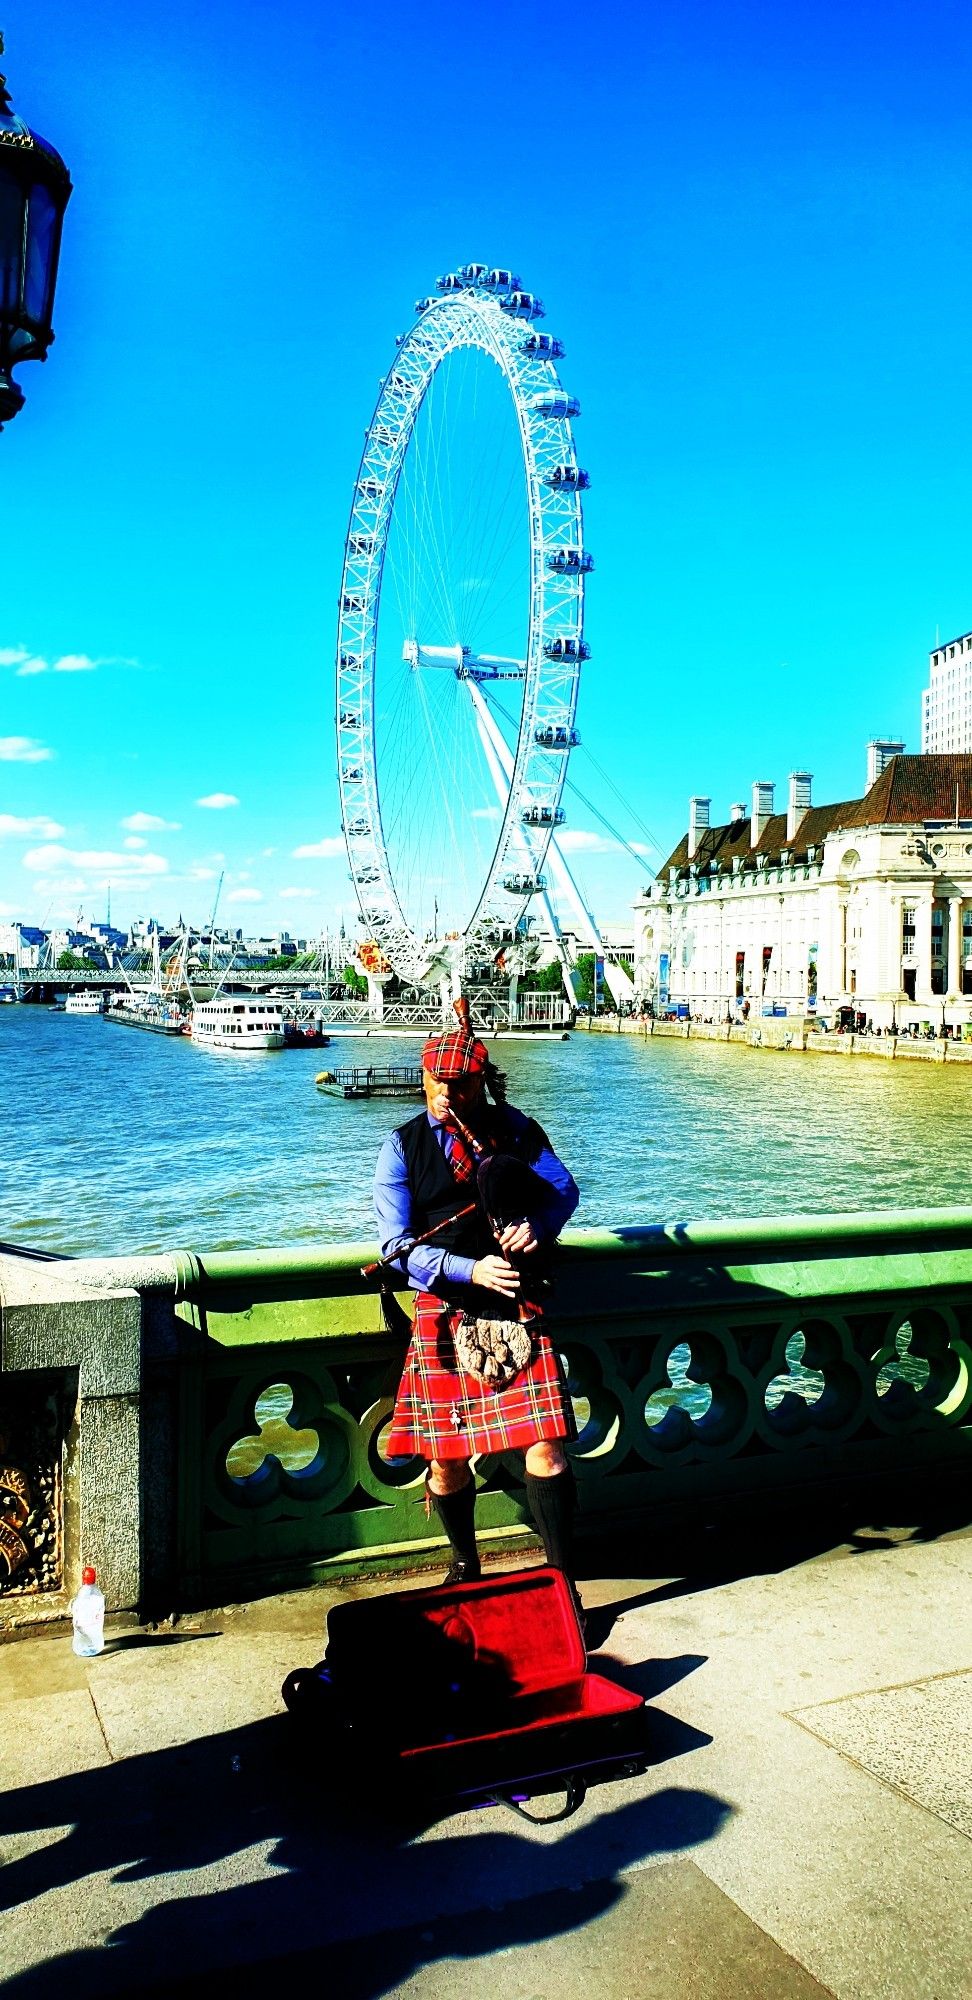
[(706, 1362)]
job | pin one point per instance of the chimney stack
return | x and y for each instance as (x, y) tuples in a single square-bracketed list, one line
[(698, 822), (797, 803), (736, 813), (880, 751), (762, 809)]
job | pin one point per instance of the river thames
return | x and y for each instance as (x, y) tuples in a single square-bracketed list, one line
[(119, 1141)]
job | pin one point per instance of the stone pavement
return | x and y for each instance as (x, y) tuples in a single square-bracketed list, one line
[(804, 1830)]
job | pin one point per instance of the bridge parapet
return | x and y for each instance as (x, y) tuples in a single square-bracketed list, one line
[(247, 1395)]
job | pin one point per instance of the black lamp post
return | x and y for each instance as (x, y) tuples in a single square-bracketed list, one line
[(34, 190)]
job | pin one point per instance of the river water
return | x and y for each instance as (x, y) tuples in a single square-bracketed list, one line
[(116, 1140), (119, 1141)]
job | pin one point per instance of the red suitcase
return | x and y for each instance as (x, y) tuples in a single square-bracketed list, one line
[(467, 1693)]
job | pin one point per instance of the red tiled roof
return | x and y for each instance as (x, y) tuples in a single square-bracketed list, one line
[(718, 844), (913, 789), (909, 791)]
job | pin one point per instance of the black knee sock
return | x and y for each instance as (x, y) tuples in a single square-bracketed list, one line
[(457, 1512), (551, 1502)]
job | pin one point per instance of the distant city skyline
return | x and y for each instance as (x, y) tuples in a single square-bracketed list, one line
[(743, 268)]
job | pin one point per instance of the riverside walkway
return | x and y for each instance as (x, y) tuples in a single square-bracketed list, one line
[(805, 1829)]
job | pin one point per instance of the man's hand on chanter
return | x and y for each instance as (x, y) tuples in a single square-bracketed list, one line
[(496, 1275), (517, 1239)]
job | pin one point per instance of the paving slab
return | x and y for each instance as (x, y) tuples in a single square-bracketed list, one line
[(213, 1684), (665, 1932), (917, 1739)]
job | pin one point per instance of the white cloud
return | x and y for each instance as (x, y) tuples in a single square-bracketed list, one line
[(216, 801), (578, 840), (486, 812), (267, 851), (23, 750), (66, 663), (292, 895), (321, 850), (134, 842), (67, 887), (38, 828), (97, 860), (244, 896), (149, 823), (198, 872)]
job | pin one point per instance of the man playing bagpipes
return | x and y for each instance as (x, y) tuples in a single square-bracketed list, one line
[(469, 1198)]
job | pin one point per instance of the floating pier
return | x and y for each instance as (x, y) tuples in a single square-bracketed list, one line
[(384, 1080)]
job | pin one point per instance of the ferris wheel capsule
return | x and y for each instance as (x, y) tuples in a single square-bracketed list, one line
[(566, 647), (554, 403), (523, 305), (570, 562), (567, 478), (543, 347)]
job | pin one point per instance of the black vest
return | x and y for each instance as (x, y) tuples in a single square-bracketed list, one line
[(436, 1193)]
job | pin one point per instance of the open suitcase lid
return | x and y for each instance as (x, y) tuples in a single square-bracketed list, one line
[(523, 1627)]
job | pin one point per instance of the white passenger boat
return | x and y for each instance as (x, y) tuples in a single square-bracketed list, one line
[(84, 1003), (238, 1025)]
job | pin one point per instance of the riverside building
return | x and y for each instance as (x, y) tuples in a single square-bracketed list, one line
[(946, 703), (856, 912)]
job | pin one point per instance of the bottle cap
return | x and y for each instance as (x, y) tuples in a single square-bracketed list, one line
[(87, 1574)]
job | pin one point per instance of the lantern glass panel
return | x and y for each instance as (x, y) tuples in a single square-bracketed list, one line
[(11, 244), (41, 240)]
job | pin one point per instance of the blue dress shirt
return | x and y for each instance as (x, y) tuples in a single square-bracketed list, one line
[(428, 1267)]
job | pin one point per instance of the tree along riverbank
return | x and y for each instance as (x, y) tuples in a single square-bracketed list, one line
[(786, 1037)]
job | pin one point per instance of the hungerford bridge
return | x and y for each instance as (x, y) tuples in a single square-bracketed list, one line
[(312, 997)]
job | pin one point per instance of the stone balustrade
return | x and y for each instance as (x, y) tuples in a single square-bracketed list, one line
[(204, 1427)]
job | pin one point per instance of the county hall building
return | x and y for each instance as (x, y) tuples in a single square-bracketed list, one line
[(858, 911)]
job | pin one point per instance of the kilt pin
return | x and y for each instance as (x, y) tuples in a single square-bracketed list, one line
[(443, 1412)]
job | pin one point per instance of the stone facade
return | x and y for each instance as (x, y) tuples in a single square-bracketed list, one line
[(858, 909)]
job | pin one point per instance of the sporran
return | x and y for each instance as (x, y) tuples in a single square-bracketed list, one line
[(497, 1350)]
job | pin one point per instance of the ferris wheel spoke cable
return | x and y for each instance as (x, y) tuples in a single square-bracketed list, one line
[(444, 571), (448, 803), (575, 789), (421, 551), (497, 514), (480, 517), (491, 559), (416, 521)]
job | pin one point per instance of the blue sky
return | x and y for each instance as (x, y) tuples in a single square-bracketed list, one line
[(749, 225)]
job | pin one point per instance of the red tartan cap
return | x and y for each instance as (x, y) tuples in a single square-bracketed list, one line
[(457, 1054)]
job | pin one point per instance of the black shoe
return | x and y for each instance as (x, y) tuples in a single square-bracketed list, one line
[(464, 1570)]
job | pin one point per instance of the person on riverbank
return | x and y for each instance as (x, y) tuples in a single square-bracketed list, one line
[(426, 1177)]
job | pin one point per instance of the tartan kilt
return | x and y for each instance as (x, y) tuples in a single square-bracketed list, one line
[(441, 1412)]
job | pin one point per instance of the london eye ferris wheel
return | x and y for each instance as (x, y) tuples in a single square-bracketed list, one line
[(461, 630)]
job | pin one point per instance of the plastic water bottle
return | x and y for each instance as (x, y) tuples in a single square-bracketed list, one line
[(88, 1616)]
